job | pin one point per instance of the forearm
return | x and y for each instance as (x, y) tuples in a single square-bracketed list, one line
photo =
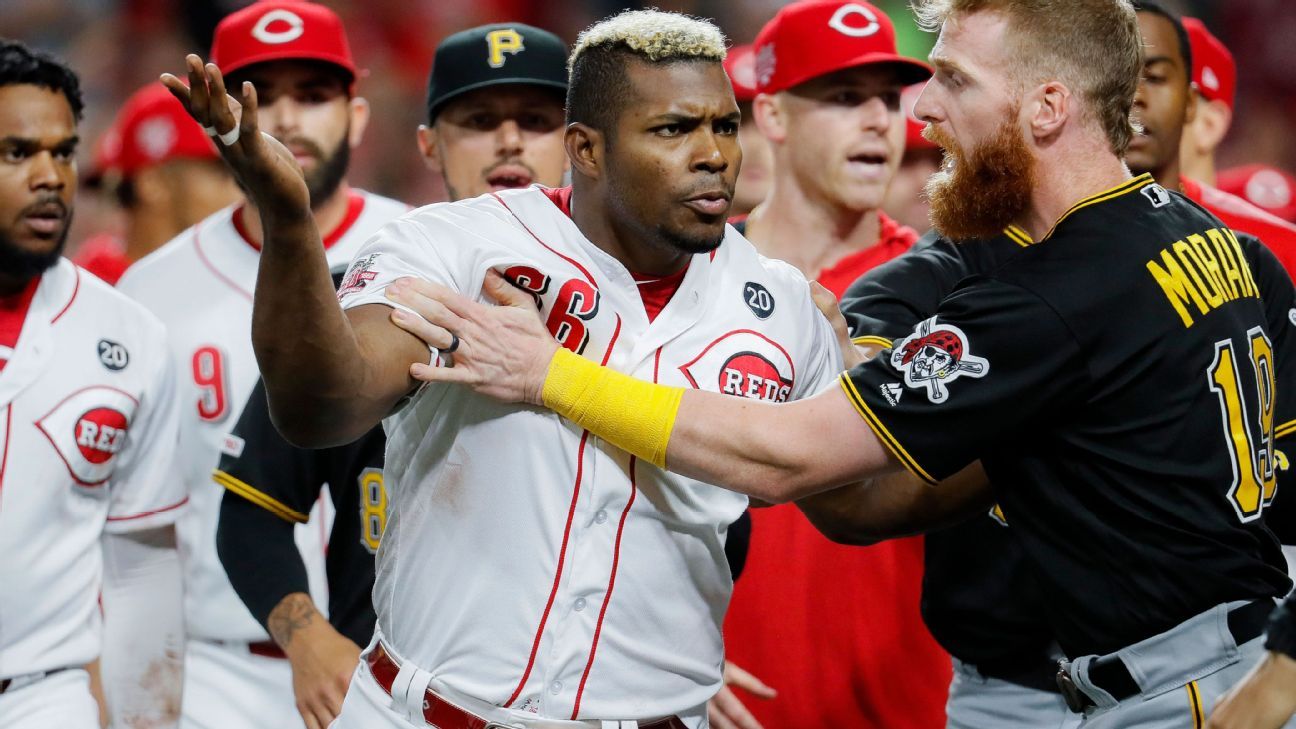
[(775, 453), (294, 616), (143, 646), (305, 348), (260, 555), (896, 505)]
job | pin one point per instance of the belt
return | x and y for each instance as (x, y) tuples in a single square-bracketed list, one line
[(266, 649), (1109, 673), (439, 712), (1041, 676)]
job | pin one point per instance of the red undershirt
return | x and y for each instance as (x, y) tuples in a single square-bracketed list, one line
[(655, 291), (355, 206), (13, 312)]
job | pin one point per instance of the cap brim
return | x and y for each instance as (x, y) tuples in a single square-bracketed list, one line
[(289, 55), (435, 107), (911, 71)]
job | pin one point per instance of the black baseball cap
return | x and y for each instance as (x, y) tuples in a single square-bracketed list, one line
[(489, 55)]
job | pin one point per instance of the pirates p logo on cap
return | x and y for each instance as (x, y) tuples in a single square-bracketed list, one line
[(500, 42)]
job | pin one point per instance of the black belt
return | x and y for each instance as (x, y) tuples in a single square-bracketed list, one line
[(1042, 676), (6, 683), (1110, 673)]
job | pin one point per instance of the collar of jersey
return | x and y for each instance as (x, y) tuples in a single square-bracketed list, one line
[(1125, 187)]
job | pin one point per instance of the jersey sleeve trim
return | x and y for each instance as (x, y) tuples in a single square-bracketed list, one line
[(152, 512), (260, 498), (881, 431), (868, 340), (1286, 429)]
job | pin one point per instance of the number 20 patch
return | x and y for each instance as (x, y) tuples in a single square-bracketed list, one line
[(758, 299)]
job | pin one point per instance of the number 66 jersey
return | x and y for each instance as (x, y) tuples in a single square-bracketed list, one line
[(526, 563), (1118, 380)]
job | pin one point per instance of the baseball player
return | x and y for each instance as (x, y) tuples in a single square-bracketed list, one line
[(1163, 106), (200, 285), (829, 82), (164, 174), (88, 495), (1115, 380), (530, 575), (1214, 77), (273, 484), (495, 110)]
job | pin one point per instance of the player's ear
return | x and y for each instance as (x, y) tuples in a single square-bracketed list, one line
[(428, 147), (767, 110), (586, 148), (359, 111), (1048, 109)]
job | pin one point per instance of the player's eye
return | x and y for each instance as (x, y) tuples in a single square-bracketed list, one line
[(726, 127), (482, 121), (13, 154), (891, 99), (668, 130)]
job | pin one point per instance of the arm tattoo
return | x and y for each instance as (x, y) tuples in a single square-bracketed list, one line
[(294, 612)]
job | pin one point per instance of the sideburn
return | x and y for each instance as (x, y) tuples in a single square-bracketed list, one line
[(978, 194)]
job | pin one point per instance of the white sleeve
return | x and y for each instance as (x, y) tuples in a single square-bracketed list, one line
[(143, 634), (401, 248), (146, 489), (823, 355)]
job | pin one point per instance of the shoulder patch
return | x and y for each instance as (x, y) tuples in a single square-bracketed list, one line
[(359, 275), (113, 355), (935, 355), (758, 299), (1156, 195)]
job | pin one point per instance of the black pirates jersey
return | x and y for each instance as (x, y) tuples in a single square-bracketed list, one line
[(1118, 381), (286, 481), (980, 600)]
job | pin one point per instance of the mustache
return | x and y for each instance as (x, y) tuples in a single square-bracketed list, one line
[(43, 203), (304, 144)]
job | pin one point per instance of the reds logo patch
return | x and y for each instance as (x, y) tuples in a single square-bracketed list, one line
[(359, 275), (743, 363), (88, 429), (935, 355)]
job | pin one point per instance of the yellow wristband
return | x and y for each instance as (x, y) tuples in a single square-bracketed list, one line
[(631, 414)]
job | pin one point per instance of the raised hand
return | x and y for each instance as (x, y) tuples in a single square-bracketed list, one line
[(262, 165)]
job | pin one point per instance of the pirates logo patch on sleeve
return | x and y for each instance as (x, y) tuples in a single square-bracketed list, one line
[(935, 355)]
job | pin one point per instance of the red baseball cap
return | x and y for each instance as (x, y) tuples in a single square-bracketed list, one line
[(1268, 188), (280, 30), (152, 127), (1214, 70), (740, 64), (810, 38)]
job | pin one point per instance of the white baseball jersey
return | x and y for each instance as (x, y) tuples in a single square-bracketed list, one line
[(526, 563), (200, 285), (88, 421)]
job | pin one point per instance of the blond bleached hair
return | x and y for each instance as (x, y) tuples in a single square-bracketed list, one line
[(598, 69), (1093, 46), (654, 35)]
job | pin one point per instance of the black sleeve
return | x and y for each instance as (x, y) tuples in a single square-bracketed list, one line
[(260, 556), (1279, 296), (993, 360), (270, 486), (888, 301)]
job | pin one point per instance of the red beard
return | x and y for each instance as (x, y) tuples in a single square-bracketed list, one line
[(978, 194)]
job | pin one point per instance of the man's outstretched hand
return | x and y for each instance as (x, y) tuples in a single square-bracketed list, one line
[(500, 351), (262, 165)]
